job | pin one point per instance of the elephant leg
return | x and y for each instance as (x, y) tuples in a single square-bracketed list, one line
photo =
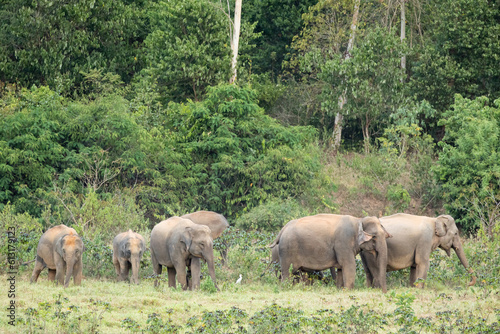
[(334, 274), (60, 271), (156, 268), (78, 272), (349, 273), (285, 269), (181, 275), (171, 277), (413, 276), (124, 269), (39, 265), (52, 274), (195, 273), (116, 263), (421, 268), (340, 279)]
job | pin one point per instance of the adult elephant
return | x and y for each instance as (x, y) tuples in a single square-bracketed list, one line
[(60, 249), (128, 248), (178, 242), (275, 261), (327, 241), (215, 221), (414, 238)]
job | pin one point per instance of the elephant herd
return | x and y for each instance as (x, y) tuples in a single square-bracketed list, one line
[(304, 245)]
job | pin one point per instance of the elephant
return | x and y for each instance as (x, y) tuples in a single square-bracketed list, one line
[(60, 249), (215, 221), (177, 243), (414, 238), (128, 248), (217, 224), (311, 274), (327, 241)]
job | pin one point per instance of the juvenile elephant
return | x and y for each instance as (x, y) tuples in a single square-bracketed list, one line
[(128, 248), (328, 241), (177, 243), (414, 238), (60, 250), (215, 221)]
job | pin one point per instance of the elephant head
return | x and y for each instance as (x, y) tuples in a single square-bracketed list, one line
[(132, 248), (198, 242), (70, 248), (447, 233), (372, 238)]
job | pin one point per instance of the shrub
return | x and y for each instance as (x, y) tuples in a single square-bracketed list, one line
[(20, 236), (469, 163), (271, 216)]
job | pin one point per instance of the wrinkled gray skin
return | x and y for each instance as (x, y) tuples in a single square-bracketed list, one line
[(328, 241), (177, 243), (128, 248), (414, 238), (60, 249), (216, 222)]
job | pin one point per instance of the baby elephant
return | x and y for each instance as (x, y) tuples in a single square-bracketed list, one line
[(128, 248), (60, 250)]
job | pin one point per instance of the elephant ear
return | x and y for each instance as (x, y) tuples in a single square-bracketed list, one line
[(362, 235), (186, 238), (441, 226), (60, 245), (387, 234)]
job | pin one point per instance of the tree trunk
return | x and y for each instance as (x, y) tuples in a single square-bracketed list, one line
[(337, 128), (236, 38), (403, 31)]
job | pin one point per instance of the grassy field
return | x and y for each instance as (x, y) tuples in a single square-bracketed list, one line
[(109, 307)]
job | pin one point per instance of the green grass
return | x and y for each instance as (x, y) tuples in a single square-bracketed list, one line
[(103, 306)]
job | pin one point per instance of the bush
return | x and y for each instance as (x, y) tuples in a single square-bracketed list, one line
[(20, 235), (469, 163), (272, 215)]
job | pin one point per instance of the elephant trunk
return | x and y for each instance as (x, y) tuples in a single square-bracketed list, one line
[(209, 258), (69, 271), (457, 246), (136, 263), (381, 245)]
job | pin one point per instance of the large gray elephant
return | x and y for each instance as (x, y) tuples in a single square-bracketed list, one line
[(60, 249), (414, 238), (128, 248), (327, 241), (215, 221), (177, 243)]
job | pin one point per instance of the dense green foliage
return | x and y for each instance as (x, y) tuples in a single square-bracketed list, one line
[(469, 165), (222, 154), (126, 105), (188, 48)]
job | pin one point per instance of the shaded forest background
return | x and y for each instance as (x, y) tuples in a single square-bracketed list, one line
[(117, 114)]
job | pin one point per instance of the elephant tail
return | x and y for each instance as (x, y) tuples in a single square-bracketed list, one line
[(277, 240)]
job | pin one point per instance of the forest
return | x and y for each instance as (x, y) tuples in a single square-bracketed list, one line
[(117, 115)]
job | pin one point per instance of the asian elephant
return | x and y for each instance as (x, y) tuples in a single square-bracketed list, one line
[(275, 260), (414, 238), (328, 241), (60, 250), (128, 248), (215, 221), (177, 243)]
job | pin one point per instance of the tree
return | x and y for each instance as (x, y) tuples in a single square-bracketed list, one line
[(460, 53), (188, 50), (236, 39), (469, 163), (51, 42), (369, 82)]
